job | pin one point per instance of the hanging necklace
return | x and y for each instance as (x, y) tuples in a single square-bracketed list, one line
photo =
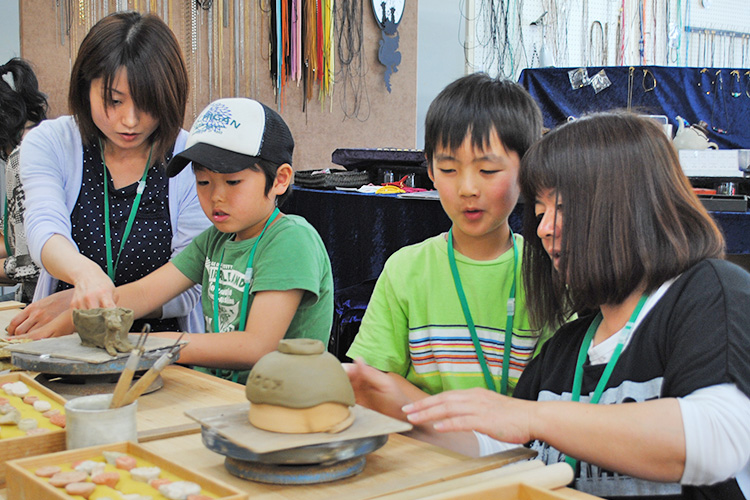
[(511, 310), (575, 395), (112, 265), (248, 278)]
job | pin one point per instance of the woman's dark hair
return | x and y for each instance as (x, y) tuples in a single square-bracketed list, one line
[(20, 102), (479, 104), (157, 77), (630, 217)]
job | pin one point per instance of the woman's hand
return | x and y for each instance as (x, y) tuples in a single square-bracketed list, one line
[(39, 313), (93, 289), (503, 418), (92, 286), (59, 326)]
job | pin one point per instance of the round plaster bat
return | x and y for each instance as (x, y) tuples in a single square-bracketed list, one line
[(144, 474), (27, 424), (10, 417), (179, 490), (299, 388), (42, 406)]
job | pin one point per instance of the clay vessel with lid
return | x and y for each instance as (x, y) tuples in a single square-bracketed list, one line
[(299, 388)]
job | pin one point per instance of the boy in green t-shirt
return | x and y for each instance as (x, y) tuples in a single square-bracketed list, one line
[(265, 275), (443, 310)]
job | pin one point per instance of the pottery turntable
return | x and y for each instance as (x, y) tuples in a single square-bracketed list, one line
[(301, 424), (289, 459), (71, 369)]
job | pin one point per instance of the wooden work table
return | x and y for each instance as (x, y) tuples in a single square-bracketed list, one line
[(400, 464)]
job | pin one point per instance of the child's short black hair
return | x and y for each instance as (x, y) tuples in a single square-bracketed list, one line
[(269, 170), (479, 104)]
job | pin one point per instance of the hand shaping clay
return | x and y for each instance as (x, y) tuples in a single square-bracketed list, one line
[(104, 327), (299, 388)]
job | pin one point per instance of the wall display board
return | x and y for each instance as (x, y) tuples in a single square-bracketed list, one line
[(505, 37), (331, 97)]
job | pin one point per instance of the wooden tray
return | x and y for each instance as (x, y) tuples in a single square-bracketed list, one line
[(518, 491), (26, 446), (23, 483), (522, 481)]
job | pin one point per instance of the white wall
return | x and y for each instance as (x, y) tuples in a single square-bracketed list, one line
[(10, 40), (441, 54)]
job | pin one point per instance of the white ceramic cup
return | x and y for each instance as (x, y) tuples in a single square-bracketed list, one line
[(89, 422)]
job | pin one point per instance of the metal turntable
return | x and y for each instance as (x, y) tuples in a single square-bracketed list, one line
[(71, 370), (292, 459)]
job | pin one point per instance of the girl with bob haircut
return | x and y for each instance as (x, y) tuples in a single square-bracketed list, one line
[(101, 210), (615, 234)]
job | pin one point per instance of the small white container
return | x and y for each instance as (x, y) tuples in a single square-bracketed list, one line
[(89, 422)]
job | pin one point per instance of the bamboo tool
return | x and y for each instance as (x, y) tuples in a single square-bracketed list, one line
[(153, 372), (123, 383)]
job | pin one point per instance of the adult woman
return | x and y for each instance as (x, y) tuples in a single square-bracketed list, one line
[(99, 214), (616, 235), (22, 107)]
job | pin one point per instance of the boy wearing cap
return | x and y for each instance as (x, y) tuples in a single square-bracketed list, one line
[(265, 275)]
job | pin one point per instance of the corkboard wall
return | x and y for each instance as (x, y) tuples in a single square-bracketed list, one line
[(385, 119)]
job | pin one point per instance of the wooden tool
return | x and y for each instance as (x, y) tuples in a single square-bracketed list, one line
[(153, 372), (123, 383)]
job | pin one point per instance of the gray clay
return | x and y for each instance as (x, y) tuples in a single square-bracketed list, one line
[(104, 327), (300, 374)]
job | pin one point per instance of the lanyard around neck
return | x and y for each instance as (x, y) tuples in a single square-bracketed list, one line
[(112, 266), (583, 354), (248, 278), (511, 310)]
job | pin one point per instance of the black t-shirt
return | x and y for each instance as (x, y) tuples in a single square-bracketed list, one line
[(695, 336)]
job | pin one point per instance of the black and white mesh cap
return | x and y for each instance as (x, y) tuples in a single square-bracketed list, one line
[(232, 134)]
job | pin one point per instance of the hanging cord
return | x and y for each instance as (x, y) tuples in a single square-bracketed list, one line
[(353, 98)]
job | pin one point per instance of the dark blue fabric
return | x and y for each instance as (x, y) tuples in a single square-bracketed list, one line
[(678, 92), (736, 229), (361, 231)]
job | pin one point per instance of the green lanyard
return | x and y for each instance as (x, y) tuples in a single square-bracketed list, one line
[(112, 266), (583, 354), (248, 278), (511, 309)]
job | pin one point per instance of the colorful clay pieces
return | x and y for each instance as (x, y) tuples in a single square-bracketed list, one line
[(115, 475), (27, 412)]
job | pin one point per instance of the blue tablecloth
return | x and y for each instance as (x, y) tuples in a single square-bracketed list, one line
[(361, 231)]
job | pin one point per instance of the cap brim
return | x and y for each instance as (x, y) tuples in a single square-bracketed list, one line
[(211, 157)]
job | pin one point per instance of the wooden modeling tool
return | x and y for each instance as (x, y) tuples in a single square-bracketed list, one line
[(123, 383), (153, 372)]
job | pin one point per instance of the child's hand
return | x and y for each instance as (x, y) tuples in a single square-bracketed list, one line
[(501, 417), (376, 390)]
